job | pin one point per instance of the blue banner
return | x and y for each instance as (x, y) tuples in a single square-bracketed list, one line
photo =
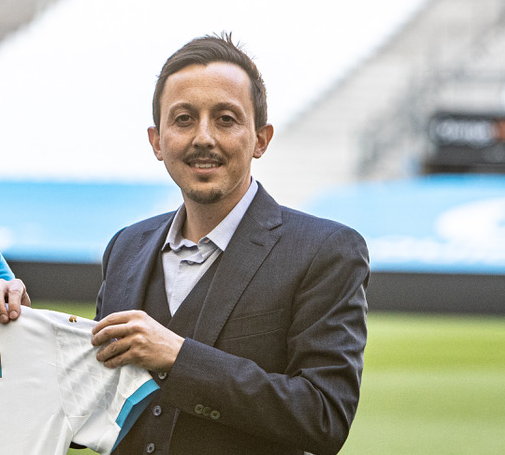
[(72, 222), (437, 223)]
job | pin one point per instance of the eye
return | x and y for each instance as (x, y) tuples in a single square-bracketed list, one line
[(227, 119), (183, 119)]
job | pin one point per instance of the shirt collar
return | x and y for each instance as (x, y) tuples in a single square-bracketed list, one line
[(221, 234)]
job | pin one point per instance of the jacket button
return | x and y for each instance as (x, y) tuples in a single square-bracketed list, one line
[(157, 411), (162, 376), (150, 447), (206, 411), (214, 415), (199, 409)]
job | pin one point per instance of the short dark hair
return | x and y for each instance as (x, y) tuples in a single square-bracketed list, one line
[(209, 49)]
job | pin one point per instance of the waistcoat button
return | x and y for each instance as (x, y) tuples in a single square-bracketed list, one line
[(150, 447), (157, 411)]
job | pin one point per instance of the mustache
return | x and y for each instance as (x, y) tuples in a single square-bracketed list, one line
[(204, 155)]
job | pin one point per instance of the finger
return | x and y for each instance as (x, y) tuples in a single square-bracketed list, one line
[(4, 318), (108, 328), (16, 295), (111, 350), (121, 317), (115, 325), (117, 361), (104, 336), (26, 301)]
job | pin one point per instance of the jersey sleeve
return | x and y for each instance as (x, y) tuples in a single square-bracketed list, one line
[(101, 404), (5, 271)]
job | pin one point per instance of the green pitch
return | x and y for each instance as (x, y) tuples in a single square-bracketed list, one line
[(432, 385)]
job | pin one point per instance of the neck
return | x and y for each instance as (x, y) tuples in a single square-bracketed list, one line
[(201, 219)]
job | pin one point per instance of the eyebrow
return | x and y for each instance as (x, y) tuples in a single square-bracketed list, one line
[(181, 105), (228, 106), (224, 105)]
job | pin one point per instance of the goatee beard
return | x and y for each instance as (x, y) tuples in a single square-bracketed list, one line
[(205, 197)]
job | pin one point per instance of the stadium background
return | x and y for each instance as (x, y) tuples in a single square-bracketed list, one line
[(405, 141)]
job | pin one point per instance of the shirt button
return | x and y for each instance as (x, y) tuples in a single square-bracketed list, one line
[(214, 415), (157, 411), (162, 375), (150, 447), (199, 408)]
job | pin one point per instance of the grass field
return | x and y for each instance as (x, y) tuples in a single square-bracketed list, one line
[(432, 385)]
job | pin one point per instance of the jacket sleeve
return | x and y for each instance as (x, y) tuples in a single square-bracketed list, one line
[(312, 403)]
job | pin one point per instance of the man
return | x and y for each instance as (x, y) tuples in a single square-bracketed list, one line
[(251, 316)]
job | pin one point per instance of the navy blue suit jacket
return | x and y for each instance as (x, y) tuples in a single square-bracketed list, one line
[(277, 351)]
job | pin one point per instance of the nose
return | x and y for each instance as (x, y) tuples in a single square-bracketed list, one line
[(204, 137)]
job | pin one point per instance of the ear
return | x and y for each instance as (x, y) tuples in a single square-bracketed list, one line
[(263, 137), (154, 139)]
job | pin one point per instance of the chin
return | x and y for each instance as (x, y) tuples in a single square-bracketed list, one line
[(205, 197)]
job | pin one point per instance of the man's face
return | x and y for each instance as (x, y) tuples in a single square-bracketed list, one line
[(207, 137)]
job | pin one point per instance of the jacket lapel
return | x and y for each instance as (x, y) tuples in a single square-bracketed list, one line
[(254, 238), (145, 252)]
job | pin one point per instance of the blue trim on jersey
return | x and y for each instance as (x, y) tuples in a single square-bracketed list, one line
[(5, 271), (133, 407)]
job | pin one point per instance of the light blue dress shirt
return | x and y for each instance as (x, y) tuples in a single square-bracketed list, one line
[(185, 262)]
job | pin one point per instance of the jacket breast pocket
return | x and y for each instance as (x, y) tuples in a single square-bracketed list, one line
[(260, 337)]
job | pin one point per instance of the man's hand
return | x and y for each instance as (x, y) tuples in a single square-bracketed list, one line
[(14, 293), (133, 337)]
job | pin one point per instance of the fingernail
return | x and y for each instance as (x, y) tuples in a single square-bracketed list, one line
[(13, 314), (4, 319)]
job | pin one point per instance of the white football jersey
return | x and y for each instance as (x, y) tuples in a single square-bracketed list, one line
[(53, 390)]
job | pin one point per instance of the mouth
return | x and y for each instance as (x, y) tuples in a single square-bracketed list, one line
[(209, 161), (204, 165)]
